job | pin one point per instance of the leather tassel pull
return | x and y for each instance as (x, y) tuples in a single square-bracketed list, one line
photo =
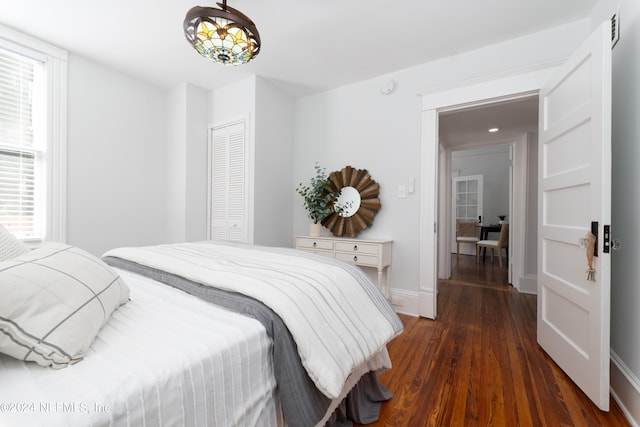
[(591, 242)]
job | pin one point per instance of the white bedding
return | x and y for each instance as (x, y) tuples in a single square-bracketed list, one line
[(336, 315), (164, 359)]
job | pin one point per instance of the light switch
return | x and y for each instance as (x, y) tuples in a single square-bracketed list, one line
[(402, 192)]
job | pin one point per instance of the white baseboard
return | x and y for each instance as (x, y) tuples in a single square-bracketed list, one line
[(427, 303), (625, 389), (528, 284), (405, 302)]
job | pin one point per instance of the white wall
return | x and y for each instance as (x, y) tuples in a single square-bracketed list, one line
[(116, 149), (176, 164), (274, 118), (625, 209), (357, 125), (233, 101), (186, 163), (270, 135), (197, 167)]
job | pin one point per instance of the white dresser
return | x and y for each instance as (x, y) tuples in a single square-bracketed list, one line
[(367, 253)]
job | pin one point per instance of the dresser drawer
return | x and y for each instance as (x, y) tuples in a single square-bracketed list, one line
[(324, 253), (357, 248), (310, 243), (358, 258), (364, 253)]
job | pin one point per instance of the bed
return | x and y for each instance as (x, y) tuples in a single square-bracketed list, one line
[(211, 334)]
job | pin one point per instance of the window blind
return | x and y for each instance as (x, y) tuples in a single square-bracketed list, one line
[(17, 191), (18, 159), (16, 99)]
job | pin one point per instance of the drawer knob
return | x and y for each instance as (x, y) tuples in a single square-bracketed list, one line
[(314, 244), (355, 258), (355, 247)]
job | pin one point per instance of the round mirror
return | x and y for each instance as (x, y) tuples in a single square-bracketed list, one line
[(348, 203), (357, 204)]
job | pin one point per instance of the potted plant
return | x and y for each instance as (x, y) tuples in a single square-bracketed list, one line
[(318, 201)]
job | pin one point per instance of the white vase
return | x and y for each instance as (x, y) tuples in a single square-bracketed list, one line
[(315, 229)]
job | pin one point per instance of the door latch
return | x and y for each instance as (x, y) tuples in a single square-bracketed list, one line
[(606, 238)]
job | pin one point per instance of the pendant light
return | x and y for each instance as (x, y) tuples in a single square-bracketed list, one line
[(224, 35)]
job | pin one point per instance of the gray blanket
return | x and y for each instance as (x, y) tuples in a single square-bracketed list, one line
[(302, 403)]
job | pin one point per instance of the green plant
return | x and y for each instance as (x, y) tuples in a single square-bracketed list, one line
[(318, 201)]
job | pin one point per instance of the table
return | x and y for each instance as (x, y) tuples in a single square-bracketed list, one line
[(367, 253), (486, 229)]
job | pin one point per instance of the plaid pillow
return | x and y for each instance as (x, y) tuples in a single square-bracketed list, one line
[(10, 247), (54, 301)]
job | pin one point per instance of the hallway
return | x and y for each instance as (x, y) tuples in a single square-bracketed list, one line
[(465, 270)]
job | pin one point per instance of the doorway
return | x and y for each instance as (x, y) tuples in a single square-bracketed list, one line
[(481, 195), (575, 115), (498, 141), (435, 251)]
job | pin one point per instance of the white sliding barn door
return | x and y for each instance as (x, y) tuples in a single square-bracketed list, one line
[(574, 193)]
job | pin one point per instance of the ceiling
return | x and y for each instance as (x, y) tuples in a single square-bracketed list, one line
[(308, 46), (469, 127)]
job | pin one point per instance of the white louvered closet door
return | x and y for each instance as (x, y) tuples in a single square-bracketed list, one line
[(227, 183)]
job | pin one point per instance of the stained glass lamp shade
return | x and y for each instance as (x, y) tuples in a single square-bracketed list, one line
[(225, 35)]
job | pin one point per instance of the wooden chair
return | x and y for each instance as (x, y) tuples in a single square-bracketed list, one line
[(501, 243), (466, 232)]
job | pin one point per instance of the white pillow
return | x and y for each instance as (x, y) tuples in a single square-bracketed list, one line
[(10, 247), (54, 301)]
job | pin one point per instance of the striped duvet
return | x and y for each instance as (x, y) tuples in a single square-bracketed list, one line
[(336, 315), (164, 359)]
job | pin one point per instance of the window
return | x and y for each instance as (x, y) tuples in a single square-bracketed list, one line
[(467, 198), (20, 147), (32, 137)]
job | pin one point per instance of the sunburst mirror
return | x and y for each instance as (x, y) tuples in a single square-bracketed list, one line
[(357, 204)]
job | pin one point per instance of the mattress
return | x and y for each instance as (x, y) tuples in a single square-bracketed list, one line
[(166, 358)]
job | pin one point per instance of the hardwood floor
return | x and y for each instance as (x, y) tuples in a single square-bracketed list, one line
[(478, 364), (465, 269)]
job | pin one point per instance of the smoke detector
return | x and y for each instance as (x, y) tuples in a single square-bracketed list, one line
[(387, 87)]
